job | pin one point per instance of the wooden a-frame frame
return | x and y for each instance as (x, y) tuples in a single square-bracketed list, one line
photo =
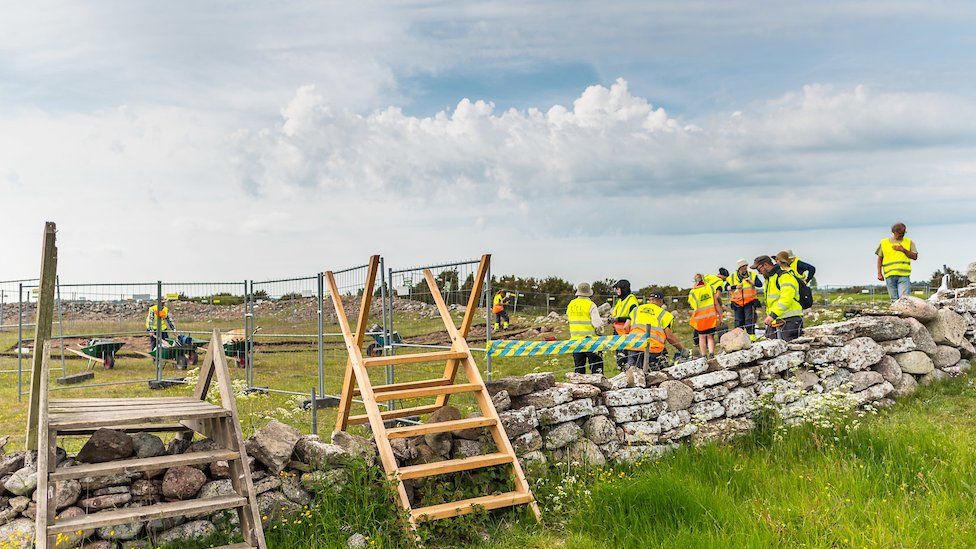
[(458, 357)]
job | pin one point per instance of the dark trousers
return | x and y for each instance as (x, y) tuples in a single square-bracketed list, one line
[(626, 359), (502, 317), (152, 339), (595, 360), (791, 329), (745, 317), (655, 361)]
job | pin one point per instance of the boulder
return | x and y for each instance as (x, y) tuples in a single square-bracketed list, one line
[(11, 462), (633, 454), (561, 435), (735, 359), (600, 429), (188, 531), (121, 532), (806, 379), (106, 445), (183, 482), (688, 368), (585, 452), (771, 347), (275, 506), (827, 355), (467, 448), (73, 538), (356, 541), (518, 422), (273, 445), (933, 377), (17, 534), (66, 493), (528, 442), (633, 397), (355, 445), (948, 328), (597, 380), (913, 307), (862, 380), (147, 445), (921, 336), (570, 411), (641, 432), (915, 362), (862, 353), (874, 392), (309, 449), (735, 340), (706, 410), (740, 401), (879, 328), (945, 356), (547, 398), (902, 345), (715, 392), (781, 363), (966, 349), (838, 379), (292, 489), (673, 420), (641, 412), (905, 387), (522, 385), (22, 482), (501, 401), (749, 376), (111, 501), (712, 378), (578, 390), (889, 369), (679, 395)]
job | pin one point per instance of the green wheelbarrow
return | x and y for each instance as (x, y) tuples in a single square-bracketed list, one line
[(100, 351)]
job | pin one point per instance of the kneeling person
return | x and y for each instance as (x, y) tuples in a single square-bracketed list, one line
[(654, 320)]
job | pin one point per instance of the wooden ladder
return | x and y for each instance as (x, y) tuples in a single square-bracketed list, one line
[(63, 417), (459, 356)]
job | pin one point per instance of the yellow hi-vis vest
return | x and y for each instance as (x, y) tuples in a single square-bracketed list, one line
[(578, 313), (651, 319), (893, 262), (703, 313), (747, 293), (151, 318), (782, 295), (794, 268), (499, 303), (623, 310), (715, 282)]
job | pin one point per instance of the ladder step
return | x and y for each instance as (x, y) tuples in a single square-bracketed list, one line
[(394, 414), (379, 389), (432, 391), (149, 512), (414, 358), (441, 427), (142, 464), (453, 465), (135, 428), (463, 507), (73, 420)]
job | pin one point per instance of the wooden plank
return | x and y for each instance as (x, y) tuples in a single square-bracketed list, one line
[(349, 378), (46, 459), (42, 326), (440, 427), (394, 414), (431, 391), (142, 464), (129, 401), (203, 506), (407, 385), (134, 428), (454, 465), (79, 420), (122, 408), (83, 355), (451, 367), (463, 507), (412, 358)]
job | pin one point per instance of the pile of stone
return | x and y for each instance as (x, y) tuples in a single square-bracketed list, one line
[(865, 360), (287, 468)]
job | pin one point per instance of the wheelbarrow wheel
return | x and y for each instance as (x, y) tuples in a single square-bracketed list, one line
[(194, 358), (109, 359), (181, 362), (240, 362), (374, 350)]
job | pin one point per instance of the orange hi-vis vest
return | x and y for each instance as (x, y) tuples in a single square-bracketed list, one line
[(704, 316), (652, 320), (747, 292)]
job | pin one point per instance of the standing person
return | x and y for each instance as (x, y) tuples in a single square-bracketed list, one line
[(784, 314), (654, 320), (801, 269), (584, 321), (744, 295), (718, 282), (165, 322), (621, 316), (500, 308), (706, 308), (895, 256)]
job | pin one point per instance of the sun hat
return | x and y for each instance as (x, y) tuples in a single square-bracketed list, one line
[(583, 289)]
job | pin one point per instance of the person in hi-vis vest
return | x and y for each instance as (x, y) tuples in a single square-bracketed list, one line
[(895, 256), (165, 323), (585, 321), (706, 310), (499, 306)]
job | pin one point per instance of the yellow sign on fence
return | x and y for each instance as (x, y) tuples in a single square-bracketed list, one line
[(172, 297)]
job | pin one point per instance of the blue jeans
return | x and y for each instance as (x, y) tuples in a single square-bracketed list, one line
[(898, 286)]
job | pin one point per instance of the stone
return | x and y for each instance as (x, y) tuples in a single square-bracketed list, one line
[(913, 307), (121, 532), (466, 448), (597, 380), (600, 429), (548, 398), (966, 349), (570, 411), (536, 457), (267, 484), (782, 390), (309, 449), (22, 482), (971, 272), (739, 402), (641, 412), (749, 376), (216, 488), (541, 381), (106, 445), (528, 442), (706, 410), (806, 379), (501, 401), (73, 538), (273, 445), (561, 435), (19, 503), (673, 420), (578, 390), (518, 422), (641, 432), (948, 328), (276, 506), (182, 482), (100, 543), (475, 433), (188, 531), (317, 481), (514, 385), (178, 445), (679, 395), (356, 541), (17, 534), (906, 387), (712, 378), (583, 451), (91, 484), (107, 491), (889, 369), (727, 361), (633, 454), (862, 380), (902, 345), (355, 445), (873, 393), (932, 377), (292, 489), (879, 328), (633, 397), (147, 445), (781, 363), (921, 336), (735, 340), (715, 392), (158, 525), (688, 368), (66, 493), (11, 462), (836, 380), (826, 355), (684, 431), (915, 362), (635, 377), (771, 348), (862, 353), (945, 356), (655, 377)]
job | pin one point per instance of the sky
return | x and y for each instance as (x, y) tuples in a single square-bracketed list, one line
[(647, 140)]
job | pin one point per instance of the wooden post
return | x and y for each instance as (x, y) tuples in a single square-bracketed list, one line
[(45, 315), (349, 378)]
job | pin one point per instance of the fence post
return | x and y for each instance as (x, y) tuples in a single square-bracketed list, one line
[(390, 374), (389, 342), (2, 296), (64, 370), (20, 342), (249, 336), (315, 408), (488, 295), (320, 297), (159, 330)]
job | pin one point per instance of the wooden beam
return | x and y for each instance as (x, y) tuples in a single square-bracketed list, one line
[(440, 427), (45, 316), (379, 389), (412, 358), (421, 392), (455, 508), (454, 465), (398, 413), (349, 377), (451, 367)]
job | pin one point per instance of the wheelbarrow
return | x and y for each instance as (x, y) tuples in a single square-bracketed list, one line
[(182, 351), (380, 341), (100, 351)]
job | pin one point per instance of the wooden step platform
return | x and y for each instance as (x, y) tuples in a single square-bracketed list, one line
[(149, 512), (463, 507), (440, 427)]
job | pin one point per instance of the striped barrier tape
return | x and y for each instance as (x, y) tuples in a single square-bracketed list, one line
[(514, 347)]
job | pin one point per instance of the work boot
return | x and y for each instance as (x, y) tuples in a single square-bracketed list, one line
[(495, 326), (505, 325)]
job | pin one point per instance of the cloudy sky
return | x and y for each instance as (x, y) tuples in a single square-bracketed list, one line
[(646, 139)]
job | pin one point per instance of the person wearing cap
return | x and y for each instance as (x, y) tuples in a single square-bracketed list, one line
[(653, 319), (788, 260), (164, 322), (706, 309), (500, 308), (744, 295), (784, 314), (621, 316), (895, 256), (718, 282), (584, 321)]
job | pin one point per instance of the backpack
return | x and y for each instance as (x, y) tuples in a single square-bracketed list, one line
[(804, 294)]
